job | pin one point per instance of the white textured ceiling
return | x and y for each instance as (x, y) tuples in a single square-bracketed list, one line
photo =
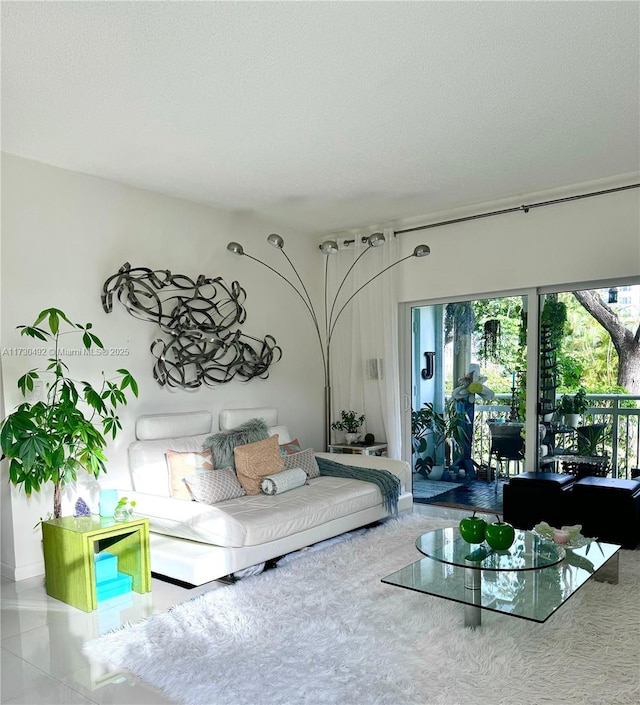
[(326, 115)]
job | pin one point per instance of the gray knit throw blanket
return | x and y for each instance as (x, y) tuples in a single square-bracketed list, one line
[(388, 483)]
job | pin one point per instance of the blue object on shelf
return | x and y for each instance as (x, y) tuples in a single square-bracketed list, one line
[(106, 567), (112, 588), (108, 501)]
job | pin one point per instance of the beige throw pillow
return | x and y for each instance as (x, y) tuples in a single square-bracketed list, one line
[(255, 460), (184, 464)]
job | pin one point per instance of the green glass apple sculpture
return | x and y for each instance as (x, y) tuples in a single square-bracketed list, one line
[(500, 535), (472, 529)]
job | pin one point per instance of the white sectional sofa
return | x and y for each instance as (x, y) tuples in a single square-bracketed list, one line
[(196, 543)]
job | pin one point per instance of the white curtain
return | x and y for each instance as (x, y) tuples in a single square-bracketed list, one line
[(364, 348)]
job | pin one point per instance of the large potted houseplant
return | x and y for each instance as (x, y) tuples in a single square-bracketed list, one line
[(349, 422), (447, 431), (52, 439)]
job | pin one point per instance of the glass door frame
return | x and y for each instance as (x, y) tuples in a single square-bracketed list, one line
[(532, 296)]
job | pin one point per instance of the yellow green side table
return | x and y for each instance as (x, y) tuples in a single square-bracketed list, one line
[(70, 545)]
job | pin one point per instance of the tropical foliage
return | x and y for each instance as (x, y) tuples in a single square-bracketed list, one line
[(449, 424), (51, 440)]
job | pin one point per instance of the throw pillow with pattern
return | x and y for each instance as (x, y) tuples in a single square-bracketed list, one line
[(305, 459), (183, 464), (215, 486), (290, 447)]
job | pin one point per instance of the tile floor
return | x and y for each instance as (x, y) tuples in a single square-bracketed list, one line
[(41, 641), (473, 494)]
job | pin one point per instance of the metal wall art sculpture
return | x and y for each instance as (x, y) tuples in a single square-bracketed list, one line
[(200, 318)]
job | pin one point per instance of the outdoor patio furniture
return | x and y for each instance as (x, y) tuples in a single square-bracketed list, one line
[(585, 465), (507, 445)]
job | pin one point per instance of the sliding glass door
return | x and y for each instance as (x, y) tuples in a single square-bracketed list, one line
[(563, 363), (476, 352)]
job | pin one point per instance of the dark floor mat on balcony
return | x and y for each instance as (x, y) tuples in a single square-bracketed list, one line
[(474, 495)]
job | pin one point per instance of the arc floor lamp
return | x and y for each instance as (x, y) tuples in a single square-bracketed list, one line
[(332, 308)]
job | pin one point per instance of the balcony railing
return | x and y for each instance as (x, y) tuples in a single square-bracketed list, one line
[(619, 412)]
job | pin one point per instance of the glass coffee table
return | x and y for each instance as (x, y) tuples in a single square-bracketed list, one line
[(531, 580)]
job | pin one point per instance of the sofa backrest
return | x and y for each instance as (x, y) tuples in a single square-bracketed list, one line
[(185, 431), (230, 418)]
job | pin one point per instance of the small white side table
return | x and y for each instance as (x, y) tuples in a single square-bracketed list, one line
[(359, 449)]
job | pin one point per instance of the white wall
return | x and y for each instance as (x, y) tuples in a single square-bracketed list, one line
[(64, 234), (580, 241)]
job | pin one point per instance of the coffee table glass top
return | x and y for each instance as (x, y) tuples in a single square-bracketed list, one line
[(526, 592), (528, 552)]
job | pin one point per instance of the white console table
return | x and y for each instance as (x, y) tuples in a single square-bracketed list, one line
[(359, 449)]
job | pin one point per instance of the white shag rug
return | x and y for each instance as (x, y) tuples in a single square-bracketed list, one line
[(323, 630)]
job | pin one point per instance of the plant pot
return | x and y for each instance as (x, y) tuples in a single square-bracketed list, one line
[(572, 420), (437, 471), (352, 438)]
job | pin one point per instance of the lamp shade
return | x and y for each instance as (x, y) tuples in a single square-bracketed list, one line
[(329, 247), (376, 240), (236, 248), (422, 251), (275, 241)]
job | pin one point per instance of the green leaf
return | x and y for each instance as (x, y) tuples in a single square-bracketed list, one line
[(128, 381), (26, 381), (96, 340), (54, 321), (34, 333), (94, 399), (41, 316)]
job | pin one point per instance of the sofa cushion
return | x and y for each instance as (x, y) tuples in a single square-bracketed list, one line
[(284, 481), (611, 484), (255, 460), (290, 447), (181, 464), (254, 520), (305, 459), (267, 518), (148, 462), (543, 478), (222, 444), (215, 486)]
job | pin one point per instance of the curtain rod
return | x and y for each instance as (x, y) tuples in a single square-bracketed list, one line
[(525, 208)]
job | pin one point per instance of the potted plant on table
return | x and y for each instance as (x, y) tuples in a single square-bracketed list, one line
[(573, 406), (52, 439), (350, 422)]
